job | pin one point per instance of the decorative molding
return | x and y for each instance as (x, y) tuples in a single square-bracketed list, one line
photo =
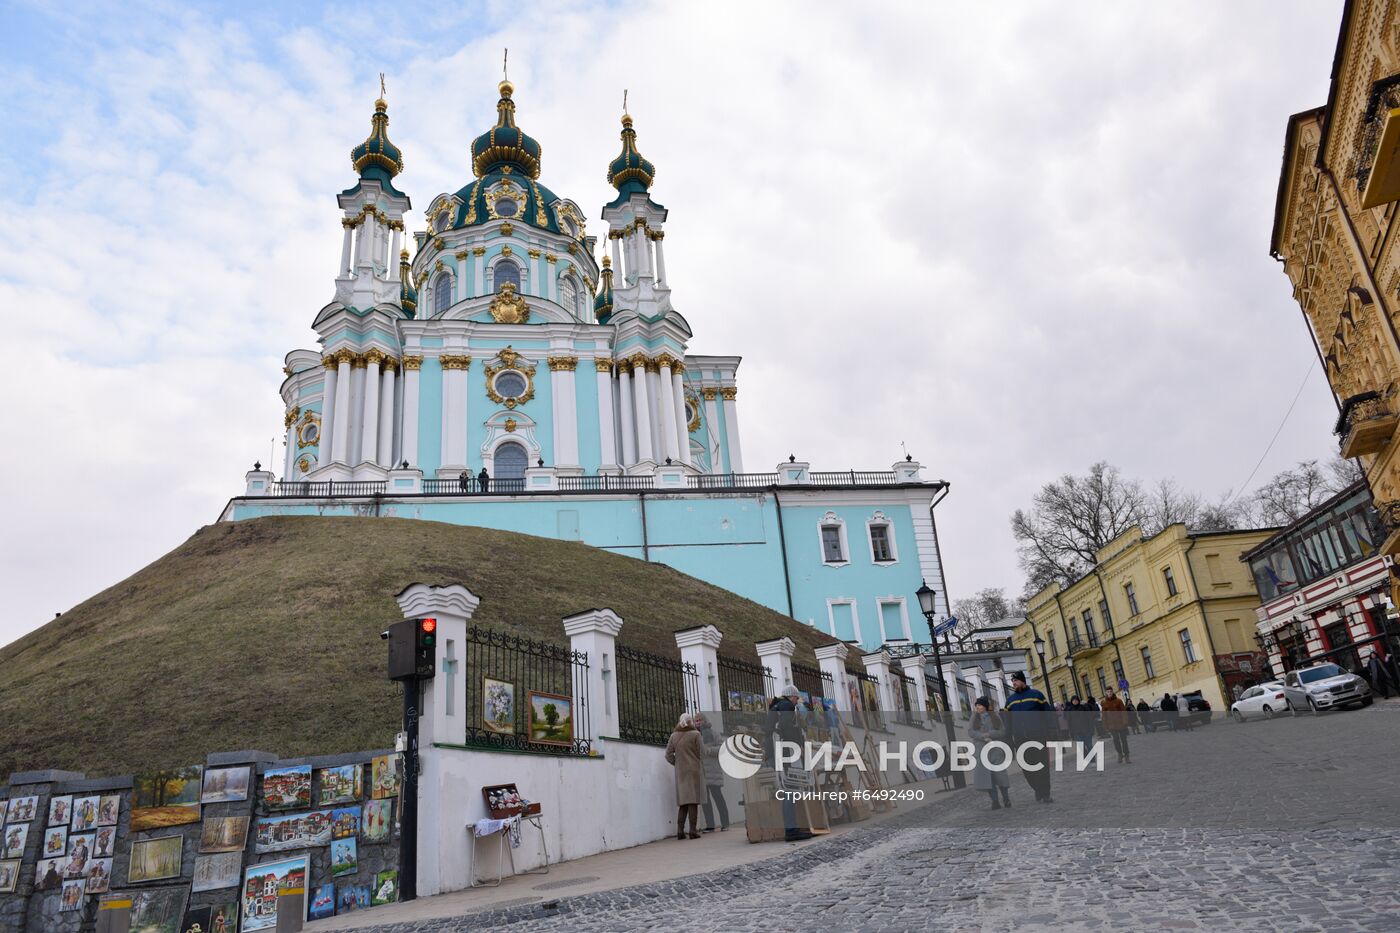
[(604, 364), (413, 362), (508, 307), (652, 366), (511, 424), (478, 251), (533, 253), (728, 393), (309, 430), (506, 250), (460, 254), (563, 363), (709, 393), (291, 416), (454, 361), (510, 359), (507, 229), (374, 357), (666, 360), (550, 258)]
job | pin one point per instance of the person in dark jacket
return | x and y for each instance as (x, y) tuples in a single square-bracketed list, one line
[(1028, 716), (483, 480), (1378, 676), (714, 777), (1169, 708), (464, 481), (782, 725)]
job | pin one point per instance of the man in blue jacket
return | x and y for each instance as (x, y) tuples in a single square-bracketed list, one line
[(1028, 715)]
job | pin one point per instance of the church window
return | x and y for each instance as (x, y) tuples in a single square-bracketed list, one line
[(440, 222), (510, 464), (442, 293), (831, 545), (510, 384), (568, 294), (507, 271), (506, 207)]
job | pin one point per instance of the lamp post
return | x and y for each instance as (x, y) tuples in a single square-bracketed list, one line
[(926, 595), (1040, 652)]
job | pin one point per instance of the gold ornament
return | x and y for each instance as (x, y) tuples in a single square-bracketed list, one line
[(604, 364), (454, 361), (413, 362), (710, 393), (563, 363), (728, 393), (508, 307), (309, 430), (291, 416), (510, 360), (511, 425)]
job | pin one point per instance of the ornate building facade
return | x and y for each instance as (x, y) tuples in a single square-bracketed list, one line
[(515, 371)]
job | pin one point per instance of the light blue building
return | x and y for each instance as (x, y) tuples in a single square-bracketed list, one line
[(504, 377)]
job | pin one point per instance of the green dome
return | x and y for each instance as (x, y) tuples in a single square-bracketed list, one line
[(408, 295), (630, 172), (603, 304), (376, 157), (505, 143)]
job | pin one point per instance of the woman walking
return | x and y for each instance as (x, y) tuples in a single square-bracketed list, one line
[(987, 726), (686, 751)]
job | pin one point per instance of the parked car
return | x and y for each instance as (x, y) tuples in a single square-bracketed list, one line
[(1192, 709), (1324, 686), (1263, 700)]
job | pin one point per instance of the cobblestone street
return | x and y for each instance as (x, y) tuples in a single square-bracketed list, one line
[(1185, 838)]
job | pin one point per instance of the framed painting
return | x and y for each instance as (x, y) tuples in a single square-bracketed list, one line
[(79, 851), (224, 834), (166, 798), (287, 788), (154, 859), (9, 875), (73, 893), (46, 874), (196, 920), (55, 842), (735, 702), (320, 903), (386, 888), (379, 820), (22, 809), (551, 719), (60, 810), (84, 813), (345, 822), (293, 831), (158, 910), (344, 858), (352, 897), (99, 876), (109, 808), (104, 842), (384, 777), (213, 872), (339, 785), (223, 918), (498, 706), (224, 785), (14, 838), (260, 886)]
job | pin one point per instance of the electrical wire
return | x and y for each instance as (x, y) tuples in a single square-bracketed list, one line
[(1297, 395)]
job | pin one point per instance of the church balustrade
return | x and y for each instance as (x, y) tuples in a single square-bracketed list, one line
[(327, 489), (854, 478)]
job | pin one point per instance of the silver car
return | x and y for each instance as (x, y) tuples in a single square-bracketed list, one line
[(1323, 686)]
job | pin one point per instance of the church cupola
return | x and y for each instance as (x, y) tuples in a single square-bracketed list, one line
[(505, 144), (376, 157), (603, 304), (408, 295), (630, 172)]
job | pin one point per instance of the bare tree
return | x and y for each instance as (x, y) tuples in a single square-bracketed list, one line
[(1343, 472), (1070, 520), (1166, 503), (1291, 494), (985, 609)]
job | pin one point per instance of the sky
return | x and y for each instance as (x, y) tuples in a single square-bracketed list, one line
[(1012, 238)]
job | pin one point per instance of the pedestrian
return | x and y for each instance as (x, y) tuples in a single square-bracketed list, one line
[(1134, 722), (1169, 711), (686, 752), (464, 481), (782, 726), (1028, 723), (1061, 721), (1115, 722), (1380, 680), (714, 777), (483, 480), (1092, 707), (1081, 723), (987, 726)]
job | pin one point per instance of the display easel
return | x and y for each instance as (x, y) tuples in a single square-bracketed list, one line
[(872, 777)]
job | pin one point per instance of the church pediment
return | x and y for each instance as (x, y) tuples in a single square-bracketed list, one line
[(508, 309)]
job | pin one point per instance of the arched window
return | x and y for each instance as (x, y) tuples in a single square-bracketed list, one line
[(511, 461), (507, 271), (568, 294), (440, 222), (442, 293)]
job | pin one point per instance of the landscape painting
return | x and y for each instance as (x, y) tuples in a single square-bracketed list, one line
[(339, 785), (379, 820), (551, 719), (287, 788), (212, 872), (260, 886), (385, 777), (223, 834), (224, 785), (158, 910), (166, 798), (21, 809), (498, 706), (154, 859), (293, 831)]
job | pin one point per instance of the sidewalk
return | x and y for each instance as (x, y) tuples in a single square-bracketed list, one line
[(656, 861)]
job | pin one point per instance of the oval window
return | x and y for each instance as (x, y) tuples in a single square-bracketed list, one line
[(505, 207), (510, 384)]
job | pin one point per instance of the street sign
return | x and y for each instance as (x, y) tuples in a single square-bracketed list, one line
[(1122, 683), (946, 626)]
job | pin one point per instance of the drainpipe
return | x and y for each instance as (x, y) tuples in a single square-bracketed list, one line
[(782, 543), (1205, 618), (646, 555)]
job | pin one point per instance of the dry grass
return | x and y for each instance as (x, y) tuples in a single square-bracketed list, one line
[(265, 634)]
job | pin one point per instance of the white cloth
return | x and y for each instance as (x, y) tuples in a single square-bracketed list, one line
[(488, 827)]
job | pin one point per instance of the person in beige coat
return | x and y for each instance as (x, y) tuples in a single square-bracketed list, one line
[(686, 751)]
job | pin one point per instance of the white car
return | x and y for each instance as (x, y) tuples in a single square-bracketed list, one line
[(1324, 686), (1264, 700)]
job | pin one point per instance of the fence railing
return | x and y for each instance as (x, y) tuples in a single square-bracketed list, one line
[(472, 486), (854, 478), (812, 680), (523, 694), (732, 480), (605, 483), (744, 685), (652, 692), (327, 489), (908, 692)]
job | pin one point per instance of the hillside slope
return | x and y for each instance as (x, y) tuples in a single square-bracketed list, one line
[(265, 634)]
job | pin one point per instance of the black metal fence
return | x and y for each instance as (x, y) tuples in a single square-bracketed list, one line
[(472, 486), (605, 483), (524, 695), (744, 685), (812, 680), (908, 691), (652, 692), (329, 489)]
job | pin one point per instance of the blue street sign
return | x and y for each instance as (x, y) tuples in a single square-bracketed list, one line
[(947, 625), (1122, 683)]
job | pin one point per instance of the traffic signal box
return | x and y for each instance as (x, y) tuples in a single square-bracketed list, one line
[(412, 649)]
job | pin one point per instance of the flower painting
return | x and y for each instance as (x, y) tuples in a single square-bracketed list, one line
[(498, 706)]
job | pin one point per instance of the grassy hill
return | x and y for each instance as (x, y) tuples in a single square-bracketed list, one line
[(265, 634)]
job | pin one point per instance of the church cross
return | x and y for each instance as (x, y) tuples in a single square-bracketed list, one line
[(382, 92)]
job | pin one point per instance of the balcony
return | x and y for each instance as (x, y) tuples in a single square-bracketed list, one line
[(1366, 424)]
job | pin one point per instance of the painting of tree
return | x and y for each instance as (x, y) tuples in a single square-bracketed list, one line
[(551, 719), (166, 798)]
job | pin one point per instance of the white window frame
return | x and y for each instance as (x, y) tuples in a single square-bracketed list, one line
[(881, 602), (452, 290), (568, 276), (831, 518), (855, 616), (1188, 645), (879, 518)]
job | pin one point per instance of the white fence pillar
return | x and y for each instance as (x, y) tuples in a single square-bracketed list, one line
[(832, 660), (594, 633), (877, 665), (700, 646), (914, 668), (444, 713), (950, 685), (776, 655)]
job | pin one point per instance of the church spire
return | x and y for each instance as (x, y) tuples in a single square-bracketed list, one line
[(630, 172), (376, 157), (603, 304)]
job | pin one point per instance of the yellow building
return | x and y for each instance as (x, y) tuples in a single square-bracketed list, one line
[(1171, 613), (1333, 222)]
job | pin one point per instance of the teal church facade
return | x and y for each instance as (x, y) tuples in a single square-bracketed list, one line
[(513, 372)]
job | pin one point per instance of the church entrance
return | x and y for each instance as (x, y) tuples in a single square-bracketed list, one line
[(511, 461)]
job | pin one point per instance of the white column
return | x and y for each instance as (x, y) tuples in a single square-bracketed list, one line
[(914, 669), (999, 689), (328, 395), (644, 248), (409, 445), (832, 660), (700, 646), (607, 435), (731, 430), (289, 461), (463, 288), (369, 430), (386, 417), (660, 260), (552, 281), (658, 445), (394, 248), (682, 426), (565, 397), (345, 249), (480, 276), (595, 634), (645, 450), (629, 420), (877, 665), (776, 655), (535, 283), (618, 267), (667, 409), (950, 684), (454, 413), (444, 716), (712, 425), (340, 452)]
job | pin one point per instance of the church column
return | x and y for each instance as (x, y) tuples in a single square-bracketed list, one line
[(369, 417), (642, 404), (660, 257), (480, 276), (347, 245), (409, 447), (731, 425), (463, 289), (289, 461), (341, 442), (607, 436), (386, 415), (682, 425), (624, 385), (667, 410), (394, 248), (535, 283), (644, 251), (552, 280), (565, 397), (712, 425), (616, 237), (328, 394), (454, 410), (654, 409)]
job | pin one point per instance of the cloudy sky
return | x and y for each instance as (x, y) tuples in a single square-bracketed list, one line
[(1016, 237)]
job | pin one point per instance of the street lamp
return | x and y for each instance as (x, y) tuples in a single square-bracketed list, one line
[(1040, 651), (926, 595)]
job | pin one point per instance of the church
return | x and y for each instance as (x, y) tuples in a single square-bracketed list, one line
[(510, 371)]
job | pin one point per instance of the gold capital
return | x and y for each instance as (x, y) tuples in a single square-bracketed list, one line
[(728, 393), (563, 363), (507, 228), (478, 251), (413, 362), (710, 393), (604, 364), (534, 253), (373, 357), (652, 366), (454, 361), (550, 257), (460, 254)]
